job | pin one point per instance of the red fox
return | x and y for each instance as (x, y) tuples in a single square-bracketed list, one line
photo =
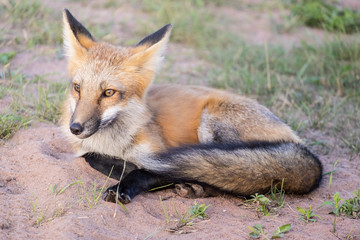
[(173, 133)]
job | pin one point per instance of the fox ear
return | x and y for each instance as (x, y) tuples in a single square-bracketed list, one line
[(156, 36), (148, 52), (77, 39)]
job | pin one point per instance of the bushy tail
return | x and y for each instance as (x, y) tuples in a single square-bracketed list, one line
[(242, 168)]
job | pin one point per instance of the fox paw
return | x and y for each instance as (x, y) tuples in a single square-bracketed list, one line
[(190, 190), (110, 196)]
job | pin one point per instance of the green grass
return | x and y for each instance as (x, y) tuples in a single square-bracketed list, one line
[(349, 207), (262, 204), (257, 231), (166, 212), (336, 206), (331, 173), (37, 214), (6, 57), (46, 105), (278, 195), (199, 210), (85, 195), (11, 122), (195, 211), (307, 215), (323, 14), (317, 85), (29, 23), (192, 23), (31, 99), (89, 193)]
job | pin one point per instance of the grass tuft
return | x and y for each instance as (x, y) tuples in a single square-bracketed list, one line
[(5, 58), (307, 215), (11, 122), (322, 14), (193, 23), (257, 231), (32, 99), (29, 22)]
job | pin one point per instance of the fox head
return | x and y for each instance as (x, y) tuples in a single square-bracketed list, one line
[(108, 82)]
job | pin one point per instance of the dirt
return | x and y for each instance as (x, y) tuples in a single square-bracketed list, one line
[(36, 159)]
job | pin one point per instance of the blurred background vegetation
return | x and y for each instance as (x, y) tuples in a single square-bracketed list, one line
[(313, 83)]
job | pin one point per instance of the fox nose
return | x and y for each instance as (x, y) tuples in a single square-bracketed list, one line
[(76, 128)]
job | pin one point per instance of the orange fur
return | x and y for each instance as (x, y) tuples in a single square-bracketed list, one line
[(178, 117)]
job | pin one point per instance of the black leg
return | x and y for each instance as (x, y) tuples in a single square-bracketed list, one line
[(134, 183), (104, 163)]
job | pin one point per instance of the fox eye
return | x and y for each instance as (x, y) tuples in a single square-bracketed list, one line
[(109, 93), (77, 87)]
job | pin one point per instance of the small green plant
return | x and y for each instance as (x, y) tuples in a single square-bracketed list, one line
[(184, 219), (11, 122), (6, 57), (331, 173), (334, 204), (37, 212), (165, 210), (257, 231), (41, 214), (198, 211), (335, 207), (89, 194), (278, 195), (195, 211), (280, 231), (307, 215), (58, 210), (56, 193), (262, 203), (351, 206), (117, 191)]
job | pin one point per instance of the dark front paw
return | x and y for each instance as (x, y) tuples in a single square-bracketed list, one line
[(189, 190), (110, 195)]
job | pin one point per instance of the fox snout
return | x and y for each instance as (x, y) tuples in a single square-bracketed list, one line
[(88, 118), (85, 120), (84, 129)]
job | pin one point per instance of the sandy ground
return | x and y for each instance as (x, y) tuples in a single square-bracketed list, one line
[(37, 158)]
